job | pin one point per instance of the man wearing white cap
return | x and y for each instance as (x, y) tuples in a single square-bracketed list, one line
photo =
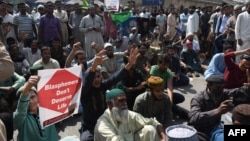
[(40, 12), (111, 65), (193, 22), (93, 27), (118, 123)]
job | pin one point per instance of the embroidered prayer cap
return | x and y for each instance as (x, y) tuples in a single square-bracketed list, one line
[(113, 93), (213, 78), (241, 113), (107, 45), (245, 56), (154, 81)]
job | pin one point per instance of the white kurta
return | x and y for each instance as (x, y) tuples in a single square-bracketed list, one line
[(8, 18), (193, 23), (242, 31), (92, 36), (63, 17), (137, 129), (172, 23)]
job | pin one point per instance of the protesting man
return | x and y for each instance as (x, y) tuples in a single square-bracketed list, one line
[(118, 123), (155, 102), (26, 116), (208, 106), (93, 91)]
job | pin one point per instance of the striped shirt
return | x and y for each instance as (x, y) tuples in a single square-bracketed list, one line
[(24, 23)]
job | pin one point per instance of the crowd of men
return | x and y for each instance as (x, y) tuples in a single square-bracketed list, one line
[(129, 69)]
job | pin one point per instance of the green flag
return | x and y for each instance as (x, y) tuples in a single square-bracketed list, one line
[(119, 18), (85, 4)]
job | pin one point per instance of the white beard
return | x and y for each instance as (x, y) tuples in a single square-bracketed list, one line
[(120, 115)]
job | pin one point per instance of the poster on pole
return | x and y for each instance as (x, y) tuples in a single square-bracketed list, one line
[(112, 5), (59, 92)]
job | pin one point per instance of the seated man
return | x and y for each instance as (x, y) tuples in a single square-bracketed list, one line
[(179, 79), (46, 60), (111, 65), (191, 61), (133, 85), (208, 106), (217, 64), (155, 103), (236, 73), (162, 70), (26, 116), (118, 123), (195, 43), (93, 92), (241, 114)]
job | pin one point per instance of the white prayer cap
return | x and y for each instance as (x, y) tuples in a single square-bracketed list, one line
[(40, 6), (107, 45), (243, 8), (237, 6), (133, 28), (189, 34)]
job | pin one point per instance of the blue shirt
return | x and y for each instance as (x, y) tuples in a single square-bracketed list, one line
[(222, 24), (216, 66), (183, 20)]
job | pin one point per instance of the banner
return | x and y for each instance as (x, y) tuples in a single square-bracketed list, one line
[(112, 5), (59, 92), (119, 18), (85, 4), (111, 29)]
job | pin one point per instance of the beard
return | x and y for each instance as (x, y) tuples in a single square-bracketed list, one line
[(120, 115), (110, 55)]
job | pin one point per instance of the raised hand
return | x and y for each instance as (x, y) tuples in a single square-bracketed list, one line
[(77, 46), (132, 58), (33, 80), (99, 59)]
